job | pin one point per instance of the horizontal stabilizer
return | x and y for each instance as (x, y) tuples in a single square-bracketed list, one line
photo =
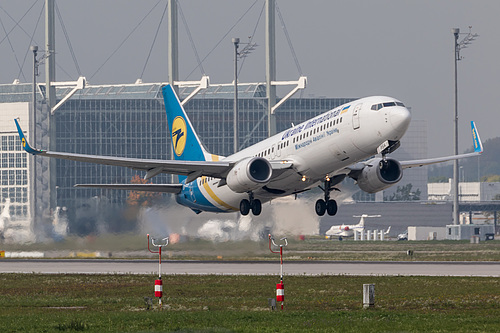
[(164, 188)]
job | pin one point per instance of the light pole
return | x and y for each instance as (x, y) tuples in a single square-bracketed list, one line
[(249, 47), (33, 177), (236, 42), (458, 46)]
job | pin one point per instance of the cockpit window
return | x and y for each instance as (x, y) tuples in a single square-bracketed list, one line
[(376, 107)]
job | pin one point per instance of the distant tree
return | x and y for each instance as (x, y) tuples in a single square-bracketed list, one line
[(141, 198), (404, 193), (491, 179), (438, 179)]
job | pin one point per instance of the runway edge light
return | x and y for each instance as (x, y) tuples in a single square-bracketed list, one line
[(158, 282), (280, 287)]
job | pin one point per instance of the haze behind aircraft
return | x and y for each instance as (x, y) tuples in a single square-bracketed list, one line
[(321, 151), (347, 230)]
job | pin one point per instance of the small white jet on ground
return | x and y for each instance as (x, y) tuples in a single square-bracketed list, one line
[(352, 140), (347, 230)]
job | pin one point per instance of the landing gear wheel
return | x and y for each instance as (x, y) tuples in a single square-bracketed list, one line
[(320, 207), (244, 207), (256, 207), (331, 207)]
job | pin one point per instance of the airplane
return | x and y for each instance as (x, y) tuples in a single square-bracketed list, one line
[(347, 230), (351, 140)]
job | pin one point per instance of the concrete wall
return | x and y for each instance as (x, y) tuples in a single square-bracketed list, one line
[(426, 233), (458, 232)]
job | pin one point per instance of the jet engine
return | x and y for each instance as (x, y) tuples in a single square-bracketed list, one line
[(379, 174), (249, 174)]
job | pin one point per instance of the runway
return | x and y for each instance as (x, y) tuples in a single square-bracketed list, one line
[(99, 266)]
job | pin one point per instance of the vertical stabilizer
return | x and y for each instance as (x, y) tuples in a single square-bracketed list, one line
[(185, 143), (362, 221)]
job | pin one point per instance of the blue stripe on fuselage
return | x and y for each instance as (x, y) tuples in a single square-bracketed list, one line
[(192, 197)]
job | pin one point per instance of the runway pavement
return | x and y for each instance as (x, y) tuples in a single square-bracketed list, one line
[(105, 266)]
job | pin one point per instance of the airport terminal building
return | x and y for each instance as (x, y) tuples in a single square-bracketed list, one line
[(129, 120)]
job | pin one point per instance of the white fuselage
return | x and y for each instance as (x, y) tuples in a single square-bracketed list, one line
[(322, 146), (344, 230)]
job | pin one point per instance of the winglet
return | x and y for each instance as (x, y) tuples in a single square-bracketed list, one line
[(478, 145), (25, 143)]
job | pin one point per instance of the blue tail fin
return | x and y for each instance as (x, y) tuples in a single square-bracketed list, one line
[(186, 144)]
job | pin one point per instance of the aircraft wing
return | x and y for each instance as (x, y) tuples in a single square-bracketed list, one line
[(153, 167), (478, 149), (191, 169)]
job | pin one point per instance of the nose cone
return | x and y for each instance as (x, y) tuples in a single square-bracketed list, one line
[(400, 119)]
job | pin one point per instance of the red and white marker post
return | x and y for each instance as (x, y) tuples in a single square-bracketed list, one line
[(280, 287), (158, 283)]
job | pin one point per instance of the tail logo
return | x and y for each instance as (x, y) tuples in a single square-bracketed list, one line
[(23, 140), (179, 135)]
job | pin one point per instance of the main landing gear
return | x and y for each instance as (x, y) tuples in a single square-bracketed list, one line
[(327, 205), (251, 204)]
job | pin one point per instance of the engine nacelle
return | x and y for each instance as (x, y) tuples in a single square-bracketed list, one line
[(249, 174), (380, 174)]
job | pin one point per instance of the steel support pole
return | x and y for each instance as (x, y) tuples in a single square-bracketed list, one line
[(270, 64), (50, 91), (236, 42), (32, 138), (173, 44), (50, 53), (456, 211), (172, 57)]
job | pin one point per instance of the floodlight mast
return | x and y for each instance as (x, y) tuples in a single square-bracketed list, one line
[(236, 42), (249, 47), (458, 46), (32, 137)]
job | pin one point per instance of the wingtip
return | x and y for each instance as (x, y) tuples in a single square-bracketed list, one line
[(24, 142), (476, 140)]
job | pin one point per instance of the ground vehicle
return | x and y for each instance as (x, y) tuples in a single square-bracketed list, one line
[(403, 236)]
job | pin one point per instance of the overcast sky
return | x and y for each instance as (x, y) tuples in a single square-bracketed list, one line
[(356, 48)]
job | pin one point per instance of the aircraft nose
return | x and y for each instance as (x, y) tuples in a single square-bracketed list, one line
[(400, 119)]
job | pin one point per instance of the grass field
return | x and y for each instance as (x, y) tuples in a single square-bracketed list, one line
[(215, 303)]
